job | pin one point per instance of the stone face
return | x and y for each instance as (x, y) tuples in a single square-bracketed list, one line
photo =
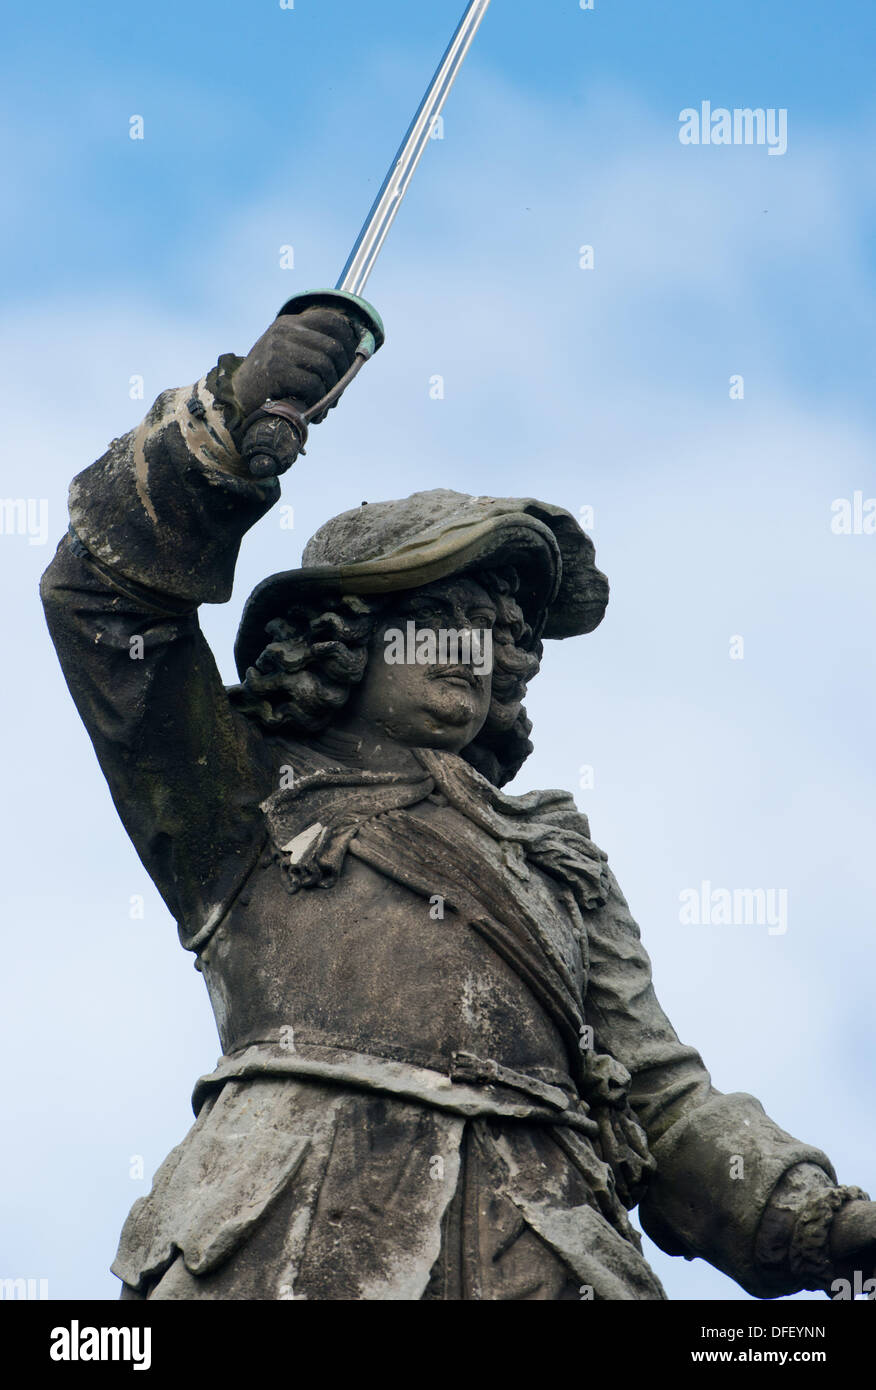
[(445, 1073)]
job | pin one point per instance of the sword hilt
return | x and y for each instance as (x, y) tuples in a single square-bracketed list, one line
[(275, 434)]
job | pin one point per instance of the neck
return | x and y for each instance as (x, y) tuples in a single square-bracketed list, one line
[(360, 744)]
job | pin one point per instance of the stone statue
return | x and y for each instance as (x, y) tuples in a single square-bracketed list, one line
[(446, 1074)]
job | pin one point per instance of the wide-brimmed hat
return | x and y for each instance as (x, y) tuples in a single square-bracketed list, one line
[(387, 547)]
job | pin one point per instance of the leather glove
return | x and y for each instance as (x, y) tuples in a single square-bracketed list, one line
[(299, 358)]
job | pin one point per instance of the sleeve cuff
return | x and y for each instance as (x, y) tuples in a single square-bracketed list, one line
[(717, 1170), (169, 503)]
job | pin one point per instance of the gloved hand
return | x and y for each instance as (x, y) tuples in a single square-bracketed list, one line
[(853, 1246), (298, 359)]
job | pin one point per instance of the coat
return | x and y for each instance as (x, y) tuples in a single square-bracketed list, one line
[(445, 1071)]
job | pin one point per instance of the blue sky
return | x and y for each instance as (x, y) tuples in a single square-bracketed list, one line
[(605, 388)]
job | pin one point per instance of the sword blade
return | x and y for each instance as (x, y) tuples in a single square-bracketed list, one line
[(381, 217)]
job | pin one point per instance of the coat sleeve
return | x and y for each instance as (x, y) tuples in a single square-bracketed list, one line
[(156, 525), (720, 1158)]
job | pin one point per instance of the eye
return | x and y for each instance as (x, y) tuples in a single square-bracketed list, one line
[(431, 617)]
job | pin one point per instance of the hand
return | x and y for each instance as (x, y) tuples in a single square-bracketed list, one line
[(299, 358), (853, 1242)]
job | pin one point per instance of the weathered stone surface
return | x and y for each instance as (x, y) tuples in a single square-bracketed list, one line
[(445, 1073)]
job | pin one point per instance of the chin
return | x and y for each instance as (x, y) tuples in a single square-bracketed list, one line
[(441, 744), (448, 734)]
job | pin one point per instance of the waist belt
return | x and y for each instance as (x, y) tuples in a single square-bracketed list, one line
[(472, 1087)]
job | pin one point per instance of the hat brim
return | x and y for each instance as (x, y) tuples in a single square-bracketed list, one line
[(561, 592)]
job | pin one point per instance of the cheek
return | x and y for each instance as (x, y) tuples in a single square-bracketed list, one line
[(406, 698), (390, 686)]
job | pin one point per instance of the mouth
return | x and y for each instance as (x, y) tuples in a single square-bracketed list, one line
[(456, 675)]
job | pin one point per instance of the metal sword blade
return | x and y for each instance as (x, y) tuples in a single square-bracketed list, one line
[(395, 186)]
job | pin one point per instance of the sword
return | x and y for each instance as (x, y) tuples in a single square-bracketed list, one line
[(261, 428)]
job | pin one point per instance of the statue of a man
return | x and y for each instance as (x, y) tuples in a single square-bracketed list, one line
[(446, 1074)]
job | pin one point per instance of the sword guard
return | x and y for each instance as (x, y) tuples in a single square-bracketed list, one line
[(275, 434), (352, 305)]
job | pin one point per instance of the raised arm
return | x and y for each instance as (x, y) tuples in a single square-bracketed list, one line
[(156, 525)]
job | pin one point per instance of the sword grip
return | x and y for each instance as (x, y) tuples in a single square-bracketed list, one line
[(275, 434)]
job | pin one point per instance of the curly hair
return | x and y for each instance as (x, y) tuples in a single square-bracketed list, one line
[(316, 654)]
